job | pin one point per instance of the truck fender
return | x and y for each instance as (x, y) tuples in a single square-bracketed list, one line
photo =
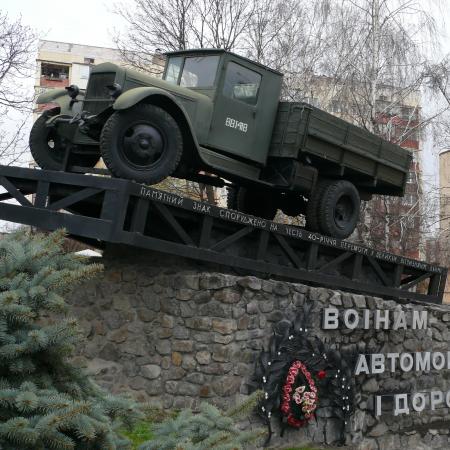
[(62, 99), (134, 96), (50, 96), (159, 97)]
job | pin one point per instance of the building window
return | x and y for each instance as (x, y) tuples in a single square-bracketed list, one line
[(409, 199), (89, 60), (54, 72), (413, 134), (335, 106), (314, 101), (84, 72), (411, 177), (406, 112)]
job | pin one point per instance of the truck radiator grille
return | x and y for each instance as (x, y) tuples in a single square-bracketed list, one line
[(97, 85), (97, 96)]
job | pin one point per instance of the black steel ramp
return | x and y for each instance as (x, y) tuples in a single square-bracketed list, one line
[(102, 209)]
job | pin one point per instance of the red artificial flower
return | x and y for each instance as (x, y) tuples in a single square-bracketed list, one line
[(293, 422), (307, 400), (321, 374)]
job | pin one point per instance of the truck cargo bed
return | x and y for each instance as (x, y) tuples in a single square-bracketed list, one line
[(337, 147)]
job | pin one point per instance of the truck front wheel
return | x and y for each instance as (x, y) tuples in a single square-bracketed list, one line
[(338, 212), (143, 143)]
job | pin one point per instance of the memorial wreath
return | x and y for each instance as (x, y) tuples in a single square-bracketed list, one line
[(299, 374)]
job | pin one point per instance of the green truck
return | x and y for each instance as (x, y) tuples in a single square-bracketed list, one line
[(216, 116)]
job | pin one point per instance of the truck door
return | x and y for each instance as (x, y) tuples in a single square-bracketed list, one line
[(234, 124)]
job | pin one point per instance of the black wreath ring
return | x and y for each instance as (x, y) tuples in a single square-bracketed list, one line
[(299, 374)]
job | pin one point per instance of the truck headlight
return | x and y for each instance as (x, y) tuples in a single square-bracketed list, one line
[(73, 90), (114, 90)]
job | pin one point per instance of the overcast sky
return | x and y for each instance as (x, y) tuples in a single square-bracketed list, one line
[(89, 22)]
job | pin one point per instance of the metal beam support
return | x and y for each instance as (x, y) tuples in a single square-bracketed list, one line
[(120, 211)]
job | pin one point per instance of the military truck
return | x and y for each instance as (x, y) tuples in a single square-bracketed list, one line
[(216, 116)]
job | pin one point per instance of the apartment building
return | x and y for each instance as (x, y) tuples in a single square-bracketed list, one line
[(60, 64), (444, 185), (444, 215)]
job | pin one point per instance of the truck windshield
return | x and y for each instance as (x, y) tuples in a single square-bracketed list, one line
[(198, 71)]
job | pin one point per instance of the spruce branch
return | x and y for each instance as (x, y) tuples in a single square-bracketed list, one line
[(45, 401)]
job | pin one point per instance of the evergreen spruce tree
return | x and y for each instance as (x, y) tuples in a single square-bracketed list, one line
[(210, 429), (45, 401)]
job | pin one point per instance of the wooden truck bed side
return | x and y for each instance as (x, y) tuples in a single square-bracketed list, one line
[(339, 149)]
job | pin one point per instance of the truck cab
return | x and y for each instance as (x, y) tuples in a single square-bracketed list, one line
[(245, 95)]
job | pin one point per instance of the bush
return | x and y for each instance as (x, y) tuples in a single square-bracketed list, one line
[(45, 401), (210, 429)]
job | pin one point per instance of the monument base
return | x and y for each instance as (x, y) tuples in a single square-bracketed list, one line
[(175, 332)]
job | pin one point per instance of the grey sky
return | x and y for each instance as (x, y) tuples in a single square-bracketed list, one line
[(89, 22)]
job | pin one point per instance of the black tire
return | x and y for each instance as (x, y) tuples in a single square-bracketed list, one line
[(143, 143), (49, 149), (256, 202), (339, 208), (313, 207)]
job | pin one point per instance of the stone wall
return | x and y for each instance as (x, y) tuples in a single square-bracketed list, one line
[(176, 333)]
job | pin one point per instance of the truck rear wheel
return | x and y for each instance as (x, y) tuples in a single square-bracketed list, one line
[(256, 202), (338, 211), (313, 207), (143, 143)]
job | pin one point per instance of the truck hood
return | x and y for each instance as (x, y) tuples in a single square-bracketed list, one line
[(133, 78), (147, 80)]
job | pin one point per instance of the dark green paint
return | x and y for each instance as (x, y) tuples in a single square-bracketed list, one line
[(249, 139)]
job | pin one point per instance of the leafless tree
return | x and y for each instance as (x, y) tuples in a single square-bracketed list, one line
[(154, 26), (374, 81), (17, 42), (360, 59), (222, 23), (164, 25)]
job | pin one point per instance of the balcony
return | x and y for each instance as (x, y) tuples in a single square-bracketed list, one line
[(53, 82), (54, 75)]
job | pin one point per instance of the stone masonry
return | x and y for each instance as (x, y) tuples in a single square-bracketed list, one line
[(176, 332)]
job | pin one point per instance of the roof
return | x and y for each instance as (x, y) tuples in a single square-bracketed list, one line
[(220, 50), (78, 44)]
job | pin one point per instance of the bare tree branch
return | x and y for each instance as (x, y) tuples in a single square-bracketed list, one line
[(17, 44)]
